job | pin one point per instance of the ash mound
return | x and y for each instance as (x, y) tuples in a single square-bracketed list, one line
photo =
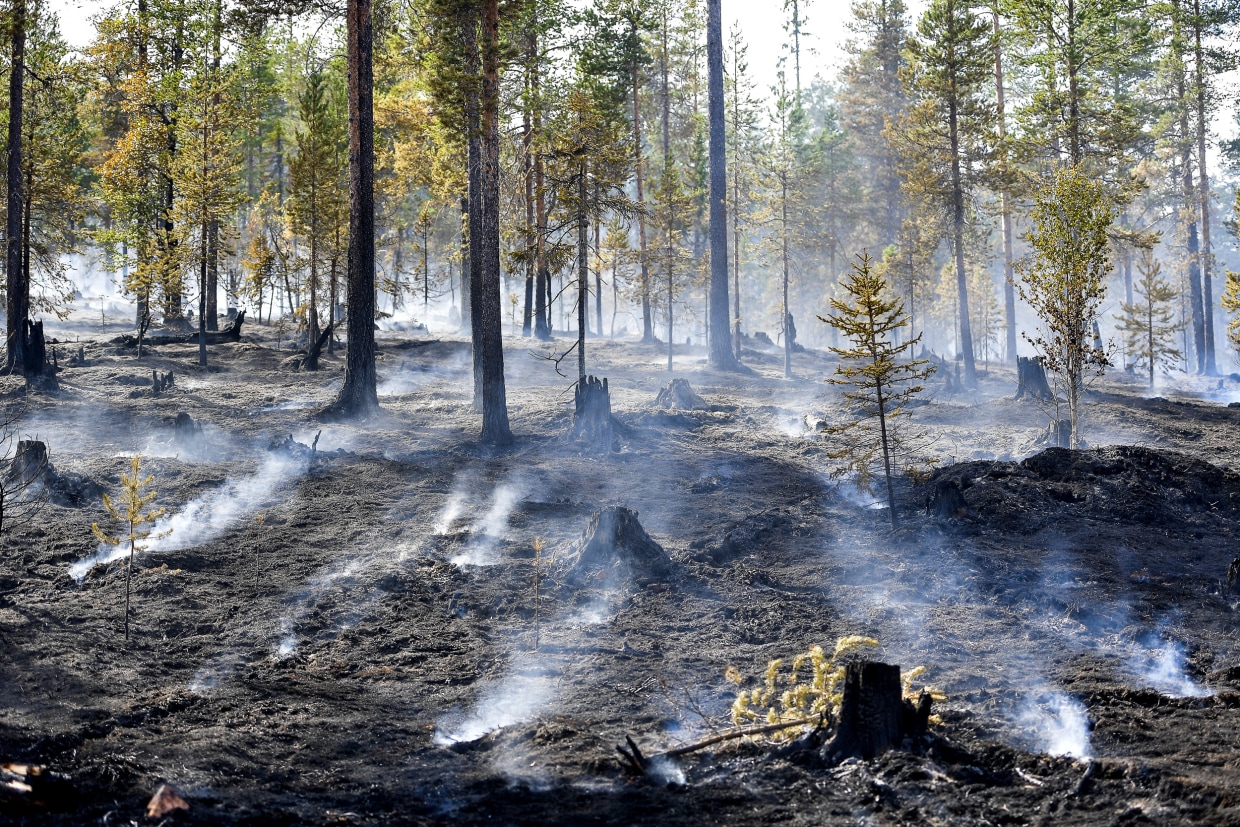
[(1122, 483)]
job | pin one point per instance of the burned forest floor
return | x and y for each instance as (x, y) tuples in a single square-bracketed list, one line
[(374, 622)]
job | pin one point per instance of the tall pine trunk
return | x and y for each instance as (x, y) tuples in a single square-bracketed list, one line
[(358, 395), (721, 354), (489, 318), (16, 291), (1009, 288), (647, 323), (1203, 193), (962, 282)]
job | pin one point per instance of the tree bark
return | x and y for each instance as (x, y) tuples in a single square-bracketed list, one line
[(647, 324), (583, 267), (488, 335), (721, 353), (358, 396), (16, 290), (473, 140), (1009, 288), (962, 280), (1203, 192)]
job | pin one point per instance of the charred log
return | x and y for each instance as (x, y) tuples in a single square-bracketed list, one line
[(874, 717), (231, 333), (592, 414), (1031, 379)]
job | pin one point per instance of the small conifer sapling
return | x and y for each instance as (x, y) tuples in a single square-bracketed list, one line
[(1149, 325), (134, 497), (880, 377)]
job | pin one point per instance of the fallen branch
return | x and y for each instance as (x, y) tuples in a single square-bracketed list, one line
[(637, 762)]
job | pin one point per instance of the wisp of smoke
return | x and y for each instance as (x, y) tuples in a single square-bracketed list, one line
[(517, 697), (206, 518), (1055, 723), (1160, 663), (300, 605), (451, 510), (487, 531)]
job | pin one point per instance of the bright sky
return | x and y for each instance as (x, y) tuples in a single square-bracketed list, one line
[(761, 22)]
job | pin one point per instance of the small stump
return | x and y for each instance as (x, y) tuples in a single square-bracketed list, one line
[(592, 414), (1031, 379), (679, 395), (874, 717), (1233, 577), (29, 464), (614, 542), (947, 501)]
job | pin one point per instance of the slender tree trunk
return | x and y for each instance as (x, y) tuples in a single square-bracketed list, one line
[(721, 354), (489, 319), (647, 323), (474, 163), (783, 232), (598, 262), (527, 140), (358, 395), (1203, 193), (1009, 288), (213, 237), (204, 267), (583, 269), (1194, 257), (962, 282), (16, 307)]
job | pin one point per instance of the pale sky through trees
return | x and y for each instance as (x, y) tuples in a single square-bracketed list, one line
[(762, 23)]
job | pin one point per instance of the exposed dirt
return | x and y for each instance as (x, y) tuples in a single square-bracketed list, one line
[(350, 634)]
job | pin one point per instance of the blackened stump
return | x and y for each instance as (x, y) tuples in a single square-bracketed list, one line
[(678, 395), (874, 717), (1031, 379), (1233, 577), (592, 414), (614, 541), (947, 501)]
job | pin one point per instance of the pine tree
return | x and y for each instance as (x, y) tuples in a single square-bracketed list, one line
[(947, 132), (135, 496), (259, 264), (1148, 325), (317, 201), (1064, 279), (207, 174), (882, 380)]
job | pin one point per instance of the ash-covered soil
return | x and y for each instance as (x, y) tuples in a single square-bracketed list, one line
[(354, 636)]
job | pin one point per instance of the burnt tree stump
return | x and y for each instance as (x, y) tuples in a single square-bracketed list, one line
[(29, 463), (161, 382), (678, 395), (1058, 434), (614, 542), (874, 717), (947, 501), (1031, 379), (592, 414), (1233, 577)]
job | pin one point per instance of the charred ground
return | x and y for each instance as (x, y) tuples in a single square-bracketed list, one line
[(363, 653)]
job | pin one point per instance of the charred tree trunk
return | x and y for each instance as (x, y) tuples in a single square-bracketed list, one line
[(16, 291), (316, 349), (874, 717), (592, 414), (358, 395), (721, 354), (490, 316), (1031, 379)]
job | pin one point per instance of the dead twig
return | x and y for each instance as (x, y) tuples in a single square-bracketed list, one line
[(637, 762)]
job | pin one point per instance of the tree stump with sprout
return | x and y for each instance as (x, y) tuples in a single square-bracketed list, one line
[(1031, 379), (592, 414), (874, 717)]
